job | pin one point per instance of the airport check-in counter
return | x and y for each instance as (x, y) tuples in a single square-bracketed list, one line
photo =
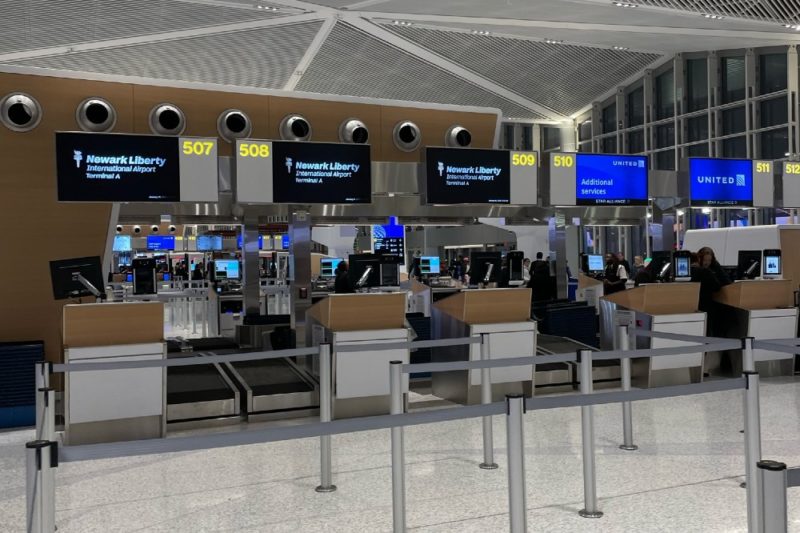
[(661, 307), (590, 291), (114, 405), (360, 379), (503, 314), (762, 309)]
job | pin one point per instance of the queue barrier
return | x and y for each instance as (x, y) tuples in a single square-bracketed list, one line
[(44, 455)]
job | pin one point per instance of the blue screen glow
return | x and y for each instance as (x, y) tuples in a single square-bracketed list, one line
[(122, 243), (160, 242), (239, 242), (226, 269), (285, 242), (596, 263), (720, 182), (429, 265), (209, 242), (602, 179)]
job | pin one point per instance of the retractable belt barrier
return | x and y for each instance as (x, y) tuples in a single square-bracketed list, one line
[(41, 506)]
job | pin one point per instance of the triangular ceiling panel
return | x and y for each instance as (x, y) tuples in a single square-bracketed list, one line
[(264, 57), (356, 64)]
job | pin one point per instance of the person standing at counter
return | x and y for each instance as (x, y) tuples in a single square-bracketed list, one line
[(539, 282), (638, 266), (615, 275), (526, 270), (198, 273), (342, 284), (707, 259), (707, 271)]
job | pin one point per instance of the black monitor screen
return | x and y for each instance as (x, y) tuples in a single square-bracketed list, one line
[(357, 271), (321, 173), (117, 168), (484, 267), (745, 268), (467, 176), (62, 275)]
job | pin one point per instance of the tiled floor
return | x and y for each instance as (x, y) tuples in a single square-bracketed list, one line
[(685, 477)]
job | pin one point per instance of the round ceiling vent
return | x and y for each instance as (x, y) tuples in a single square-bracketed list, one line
[(20, 112)]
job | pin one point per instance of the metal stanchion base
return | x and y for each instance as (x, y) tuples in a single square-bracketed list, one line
[(330, 488), (630, 448), (590, 514), (491, 466)]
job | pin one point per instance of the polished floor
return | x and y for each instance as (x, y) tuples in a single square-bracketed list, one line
[(685, 477)]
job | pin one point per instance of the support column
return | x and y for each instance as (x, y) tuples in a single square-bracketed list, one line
[(558, 244), (300, 269), (793, 85), (251, 275)]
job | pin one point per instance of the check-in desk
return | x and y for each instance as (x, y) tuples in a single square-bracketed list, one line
[(114, 405), (762, 309), (590, 290), (503, 314), (360, 379), (661, 307)]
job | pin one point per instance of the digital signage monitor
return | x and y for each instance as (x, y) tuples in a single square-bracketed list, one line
[(122, 243), (467, 176), (240, 242), (389, 238), (605, 179), (328, 266), (596, 263), (430, 265), (720, 182), (160, 242), (207, 243), (226, 269)]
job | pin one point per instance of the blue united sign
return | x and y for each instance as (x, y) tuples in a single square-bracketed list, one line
[(720, 182)]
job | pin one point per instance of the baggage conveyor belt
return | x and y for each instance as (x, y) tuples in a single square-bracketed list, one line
[(272, 385), (604, 373), (199, 392)]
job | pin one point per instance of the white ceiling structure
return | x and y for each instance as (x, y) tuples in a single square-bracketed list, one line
[(541, 60)]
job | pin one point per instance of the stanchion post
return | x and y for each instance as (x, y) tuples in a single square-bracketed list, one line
[(590, 509), (748, 356), (325, 415), (42, 374), (45, 414), (627, 409), (772, 476), (752, 449), (486, 398), (398, 454), (515, 437), (40, 462), (48, 481)]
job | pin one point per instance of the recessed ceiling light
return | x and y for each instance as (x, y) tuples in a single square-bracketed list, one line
[(480, 32), (553, 41), (623, 4), (714, 17), (620, 48), (401, 23)]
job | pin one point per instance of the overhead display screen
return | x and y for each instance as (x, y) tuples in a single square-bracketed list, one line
[(720, 182), (603, 179), (303, 172), (103, 167), (207, 243), (474, 176), (389, 238), (122, 243), (160, 242)]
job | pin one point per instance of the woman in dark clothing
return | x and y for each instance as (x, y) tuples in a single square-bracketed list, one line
[(342, 284), (707, 259), (711, 276)]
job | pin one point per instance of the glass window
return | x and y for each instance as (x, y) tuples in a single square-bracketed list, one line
[(665, 95), (508, 136), (585, 130), (697, 128), (636, 142), (774, 144), (733, 121), (665, 160), (636, 107), (585, 147), (609, 145), (735, 147), (551, 138), (697, 150), (732, 79), (527, 137), (610, 118), (665, 135), (774, 112), (697, 84), (772, 73)]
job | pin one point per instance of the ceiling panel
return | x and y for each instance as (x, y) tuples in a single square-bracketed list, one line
[(561, 77), (272, 55), (766, 10), (353, 63), (32, 24)]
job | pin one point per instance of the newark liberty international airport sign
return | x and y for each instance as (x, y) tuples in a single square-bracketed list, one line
[(105, 167)]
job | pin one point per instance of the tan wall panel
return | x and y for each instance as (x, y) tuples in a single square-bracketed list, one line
[(202, 109), (113, 323), (433, 124), (37, 229)]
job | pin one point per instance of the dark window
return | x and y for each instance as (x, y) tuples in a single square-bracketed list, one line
[(508, 136), (610, 118), (527, 137), (697, 128), (736, 147), (585, 131), (772, 73), (585, 147), (551, 138), (636, 107), (696, 84), (665, 95), (733, 121), (665, 135), (665, 160), (774, 144), (732, 79), (774, 112), (697, 150), (636, 142), (609, 145)]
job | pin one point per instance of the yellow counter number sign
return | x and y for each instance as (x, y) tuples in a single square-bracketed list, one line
[(792, 168), (253, 150), (523, 159), (763, 166), (197, 147), (563, 160)]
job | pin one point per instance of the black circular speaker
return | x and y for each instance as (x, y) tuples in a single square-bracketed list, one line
[(295, 128), (464, 138), (353, 131), (407, 136), (300, 128), (167, 119), (360, 135), (457, 137), (20, 112), (234, 124), (95, 115)]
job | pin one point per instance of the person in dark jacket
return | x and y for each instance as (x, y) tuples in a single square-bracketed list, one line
[(540, 279), (615, 275), (712, 277), (342, 284), (198, 273)]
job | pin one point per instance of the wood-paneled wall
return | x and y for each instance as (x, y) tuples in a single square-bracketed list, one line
[(36, 229)]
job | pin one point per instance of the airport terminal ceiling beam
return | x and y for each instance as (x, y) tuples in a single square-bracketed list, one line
[(376, 31), (311, 53)]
